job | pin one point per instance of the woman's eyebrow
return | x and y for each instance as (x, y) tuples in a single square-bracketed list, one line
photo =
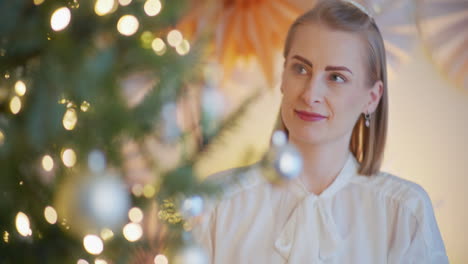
[(328, 68), (304, 60), (338, 68)]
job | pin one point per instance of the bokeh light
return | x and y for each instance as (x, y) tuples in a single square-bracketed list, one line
[(100, 261), (82, 261), (161, 259), (107, 234), (50, 215), (127, 25), (174, 38), (69, 157), (149, 191), (183, 48), (152, 7), (132, 232), (47, 163), (104, 7), (20, 88), (93, 244), (69, 119), (158, 46), (6, 236), (38, 2), (135, 215), (60, 19), (15, 105), (22, 224), (85, 106), (125, 2), (2, 138)]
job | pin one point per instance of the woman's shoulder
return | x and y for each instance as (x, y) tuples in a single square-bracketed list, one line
[(236, 181), (402, 191)]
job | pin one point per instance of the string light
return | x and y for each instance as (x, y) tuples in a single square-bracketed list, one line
[(104, 7), (152, 7), (161, 259), (85, 106), (93, 244), (22, 224), (183, 48), (158, 46), (124, 2), (69, 157), (149, 191), (100, 261), (69, 119), (106, 234), (47, 163), (15, 105), (60, 19), (2, 138), (6, 236), (127, 25), (174, 38), (20, 88), (50, 215), (132, 232), (135, 215)]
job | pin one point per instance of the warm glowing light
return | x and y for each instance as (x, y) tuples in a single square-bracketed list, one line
[(38, 2), (93, 244), (69, 157), (106, 234), (100, 261), (149, 191), (20, 88), (152, 7), (69, 119), (15, 105), (50, 215), (161, 259), (104, 7), (47, 163), (135, 215), (82, 261), (158, 46), (132, 232), (6, 236), (174, 38), (60, 19), (22, 224), (124, 2), (2, 138), (183, 48), (137, 190), (127, 25), (84, 106)]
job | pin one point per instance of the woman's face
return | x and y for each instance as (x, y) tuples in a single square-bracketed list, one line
[(325, 74)]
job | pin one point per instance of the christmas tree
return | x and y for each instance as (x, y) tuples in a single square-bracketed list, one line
[(105, 107)]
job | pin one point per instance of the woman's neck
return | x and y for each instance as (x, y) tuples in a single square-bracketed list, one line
[(322, 162)]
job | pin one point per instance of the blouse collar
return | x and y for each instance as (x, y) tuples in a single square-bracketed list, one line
[(328, 235)]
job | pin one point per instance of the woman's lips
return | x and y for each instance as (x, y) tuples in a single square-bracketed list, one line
[(309, 116)]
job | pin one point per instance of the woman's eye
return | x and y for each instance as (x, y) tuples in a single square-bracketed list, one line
[(298, 68), (337, 78)]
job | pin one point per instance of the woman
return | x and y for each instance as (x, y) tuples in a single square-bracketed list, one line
[(341, 208)]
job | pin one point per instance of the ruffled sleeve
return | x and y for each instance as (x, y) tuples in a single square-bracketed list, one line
[(204, 232), (417, 238)]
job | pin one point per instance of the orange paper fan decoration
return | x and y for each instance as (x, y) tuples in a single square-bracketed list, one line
[(244, 29)]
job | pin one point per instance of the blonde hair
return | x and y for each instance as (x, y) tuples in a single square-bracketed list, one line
[(367, 144)]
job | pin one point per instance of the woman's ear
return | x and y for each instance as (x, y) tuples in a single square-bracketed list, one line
[(374, 95)]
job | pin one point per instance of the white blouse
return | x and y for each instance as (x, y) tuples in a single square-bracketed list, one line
[(357, 219)]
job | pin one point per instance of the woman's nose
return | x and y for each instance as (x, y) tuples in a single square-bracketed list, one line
[(313, 91)]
